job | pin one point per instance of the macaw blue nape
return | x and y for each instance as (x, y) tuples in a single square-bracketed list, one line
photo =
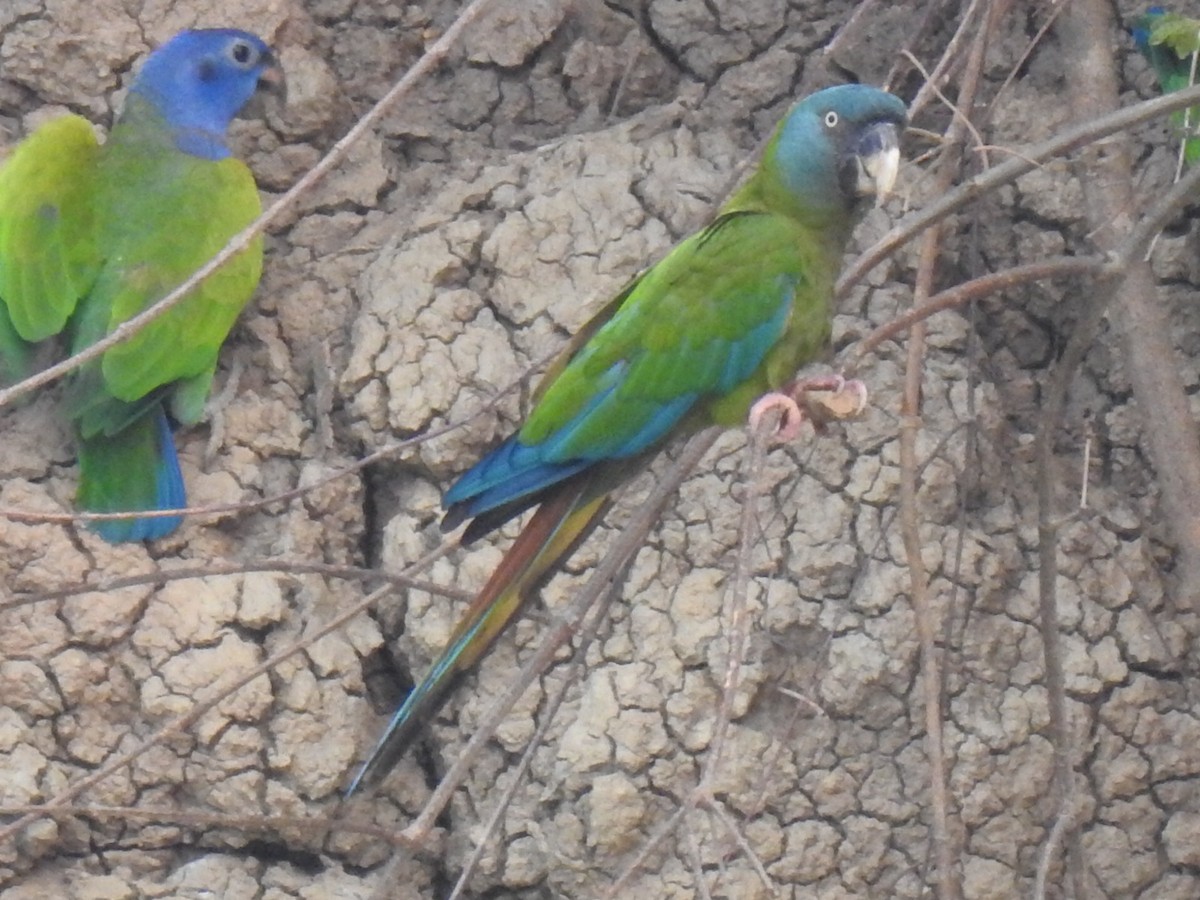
[(730, 314), (92, 234)]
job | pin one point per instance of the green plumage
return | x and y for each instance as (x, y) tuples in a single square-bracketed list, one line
[(730, 314), (165, 213), (1171, 43), (92, 234)]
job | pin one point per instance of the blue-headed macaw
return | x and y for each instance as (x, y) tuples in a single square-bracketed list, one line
[(729, 315)]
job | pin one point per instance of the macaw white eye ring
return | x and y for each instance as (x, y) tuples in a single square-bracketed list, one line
[(831, 119)]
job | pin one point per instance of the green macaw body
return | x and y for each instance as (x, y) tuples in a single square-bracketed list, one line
[(1171, 43), (92, 234), (731, 313), (785, 296)]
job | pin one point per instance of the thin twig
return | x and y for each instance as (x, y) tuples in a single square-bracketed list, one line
[(185, 721), (948, 885), (970, 291), (243, 506), (190, 818), (282, 566), (599, 614), (736, 634)]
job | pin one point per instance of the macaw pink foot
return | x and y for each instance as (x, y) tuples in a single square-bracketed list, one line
[(820, 400), (831, 398), (790, 416)]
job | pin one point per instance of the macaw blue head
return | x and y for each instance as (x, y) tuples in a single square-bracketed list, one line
[(199, 81), (838, 145)]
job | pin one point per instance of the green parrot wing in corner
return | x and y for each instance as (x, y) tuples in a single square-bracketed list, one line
[(131, 221), (729, 314), (1171, 44)]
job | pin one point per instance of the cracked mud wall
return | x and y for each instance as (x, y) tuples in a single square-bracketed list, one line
[(557, 152)]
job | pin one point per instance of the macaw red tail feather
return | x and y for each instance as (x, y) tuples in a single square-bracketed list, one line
[(563, 519)]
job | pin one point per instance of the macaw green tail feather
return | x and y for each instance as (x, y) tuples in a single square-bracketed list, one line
[(559, 524), (135, 469)]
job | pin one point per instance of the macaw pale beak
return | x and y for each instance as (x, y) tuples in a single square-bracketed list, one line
[(878, 157)]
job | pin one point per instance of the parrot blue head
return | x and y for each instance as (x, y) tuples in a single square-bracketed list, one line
[(837, 146), (1143, 26), (199, 80)]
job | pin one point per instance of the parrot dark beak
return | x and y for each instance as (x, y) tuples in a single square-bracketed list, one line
[(878, 158), (272, 80)]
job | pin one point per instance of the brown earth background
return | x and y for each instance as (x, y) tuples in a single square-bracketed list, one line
[(559, 148)]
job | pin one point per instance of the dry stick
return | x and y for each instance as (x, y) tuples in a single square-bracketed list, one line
[(738, 590), (553, 702), (1104, 268), (1131, 251), (910, 531), (702, 795), (567, 624), (968, 292), (693, 855), (947, 62), (1016, 67), (718, 809), (1027, 159), (966, 28), (860, 10), (664, 831), (1083, 334), (283, 566), (191, 819), (182, 723), (946, 878), (239, 242), (1085, 32), (760, 440)]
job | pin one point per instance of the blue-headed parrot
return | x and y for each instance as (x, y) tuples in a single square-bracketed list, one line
[(92, 234)]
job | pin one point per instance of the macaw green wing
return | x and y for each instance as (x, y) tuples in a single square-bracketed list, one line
[(693, 341), (48, 253)]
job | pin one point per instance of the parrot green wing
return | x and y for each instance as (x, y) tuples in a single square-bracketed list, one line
[(163, 236), (48, 253)]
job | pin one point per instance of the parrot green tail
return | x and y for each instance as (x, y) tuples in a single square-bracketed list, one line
[(135, 469), (559, 524), (14, 352)]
